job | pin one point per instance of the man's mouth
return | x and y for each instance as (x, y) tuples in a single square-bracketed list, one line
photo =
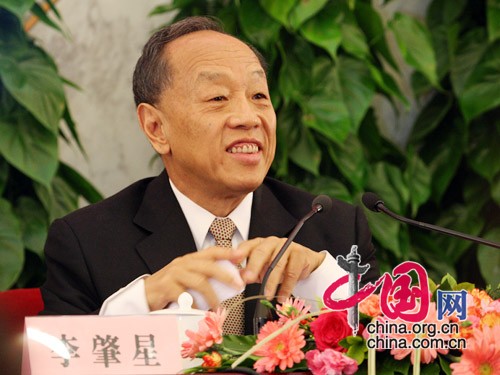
[(249, 148)]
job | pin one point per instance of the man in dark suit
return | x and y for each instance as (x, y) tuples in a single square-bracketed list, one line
[(203, 102)]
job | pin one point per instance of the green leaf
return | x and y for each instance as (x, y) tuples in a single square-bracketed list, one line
[(357, 88), (429, 253), (350, 159), (11, 246), (4, 175), (387, 181), (386, 231), (376, 146), (257, 25), (495, 189), (483, 151), (389, 363), (444, 12), (356, 349), (445, 366), (371, 24), (18, 7), (279, 10), (29, 147), (163, 8), (489, 258), (480, 92), (465, 286), (34, 224), (236, 344), (430, 117), (304, 10), (430, 369), (415, 44), (328, 117), (463, 219), (387, 84), (54, 9), (354, 41), (306, 152), (324, 30), (70, 123), (59, 199), (418, 180), (340, 106), (448, 282), (295, 72), (78, 183), (328, 186), (469, 53), (493, 19), (32, 80), (442, 154), (38, 11)]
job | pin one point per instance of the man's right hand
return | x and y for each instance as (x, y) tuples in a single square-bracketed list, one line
[(192, 271)]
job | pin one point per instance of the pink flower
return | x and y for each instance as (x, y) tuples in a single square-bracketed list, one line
[(329, 329), (482, 356), (427, 355), (330, 362), (291, 309), (209, 333), (283, 351), (370, 306)]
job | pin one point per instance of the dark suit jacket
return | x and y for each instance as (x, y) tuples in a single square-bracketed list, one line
[(94, 251)]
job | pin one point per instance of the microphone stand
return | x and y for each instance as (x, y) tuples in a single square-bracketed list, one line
[(379, 206), (262, 313)]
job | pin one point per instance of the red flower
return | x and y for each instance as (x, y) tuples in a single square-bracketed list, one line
[(329, 329)]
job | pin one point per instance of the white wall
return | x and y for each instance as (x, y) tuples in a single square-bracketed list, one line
[(106, 37)]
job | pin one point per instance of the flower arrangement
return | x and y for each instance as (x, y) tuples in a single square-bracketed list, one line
[(322, 343)]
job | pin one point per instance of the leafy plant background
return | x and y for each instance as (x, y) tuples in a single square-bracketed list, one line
[(330, 60), (330, 65), (35, 186)]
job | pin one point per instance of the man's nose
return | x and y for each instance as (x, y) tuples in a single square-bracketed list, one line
[(243, 114)]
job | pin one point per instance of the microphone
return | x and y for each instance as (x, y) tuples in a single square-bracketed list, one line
[(321, 203), (373, 202)]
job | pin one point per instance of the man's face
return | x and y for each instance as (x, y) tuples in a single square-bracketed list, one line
[(219, 121)]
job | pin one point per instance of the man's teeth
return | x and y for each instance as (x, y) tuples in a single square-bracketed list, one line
[(246, 149)]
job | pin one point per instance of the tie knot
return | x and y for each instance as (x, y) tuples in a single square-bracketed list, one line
[(222, 229)]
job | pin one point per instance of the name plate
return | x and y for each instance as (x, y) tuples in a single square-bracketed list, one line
[(82, 345)]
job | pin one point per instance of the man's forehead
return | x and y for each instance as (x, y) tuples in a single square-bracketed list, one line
[(206, 39)]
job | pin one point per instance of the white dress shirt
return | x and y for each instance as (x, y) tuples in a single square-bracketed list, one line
[(131, 299)]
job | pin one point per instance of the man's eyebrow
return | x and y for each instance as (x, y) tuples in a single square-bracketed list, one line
[(259, 72), (214, 76), (210, 76)]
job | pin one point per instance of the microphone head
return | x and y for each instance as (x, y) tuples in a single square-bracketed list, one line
[(371, 201), (322, 203)]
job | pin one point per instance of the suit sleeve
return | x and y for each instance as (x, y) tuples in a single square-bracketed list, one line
[(68, 288), (365, 247)]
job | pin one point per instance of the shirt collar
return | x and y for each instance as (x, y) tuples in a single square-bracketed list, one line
[(199, 219)]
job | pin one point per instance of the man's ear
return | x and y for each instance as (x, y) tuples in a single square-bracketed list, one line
[(153, 125)]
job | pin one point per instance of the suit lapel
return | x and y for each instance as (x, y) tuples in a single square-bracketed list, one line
[(170, 236), (161, 214)]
